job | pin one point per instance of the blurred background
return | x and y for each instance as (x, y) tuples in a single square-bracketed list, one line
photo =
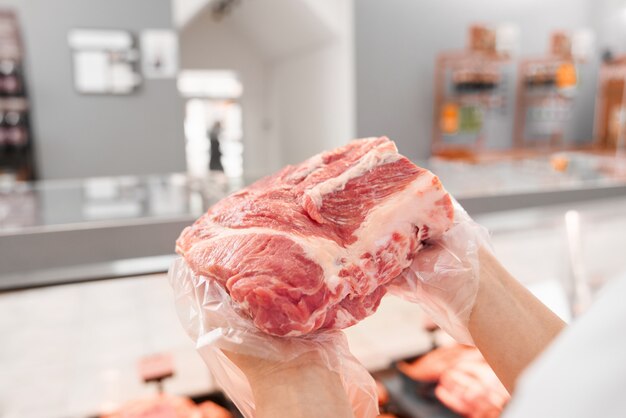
[(122, 121)]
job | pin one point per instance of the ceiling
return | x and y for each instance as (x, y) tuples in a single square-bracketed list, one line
[(277, 28)]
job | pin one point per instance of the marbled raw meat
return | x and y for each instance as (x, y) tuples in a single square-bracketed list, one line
[(313, 246)]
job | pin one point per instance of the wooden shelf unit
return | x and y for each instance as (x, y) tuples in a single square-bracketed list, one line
[(16, 133)]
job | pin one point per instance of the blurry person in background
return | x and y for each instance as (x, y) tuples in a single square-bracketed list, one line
[(215, 163)]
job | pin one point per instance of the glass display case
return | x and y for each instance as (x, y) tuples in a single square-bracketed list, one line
[(60, 231)]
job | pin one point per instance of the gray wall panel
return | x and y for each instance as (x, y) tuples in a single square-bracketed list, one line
[(397, 42), (78, 135)]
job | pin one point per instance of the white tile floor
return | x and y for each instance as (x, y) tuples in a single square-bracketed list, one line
[(71, 351)]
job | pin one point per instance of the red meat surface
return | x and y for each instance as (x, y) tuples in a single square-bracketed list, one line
[(312, 246)]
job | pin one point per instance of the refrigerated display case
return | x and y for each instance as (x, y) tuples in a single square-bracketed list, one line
[(131, 222), (60, 231)]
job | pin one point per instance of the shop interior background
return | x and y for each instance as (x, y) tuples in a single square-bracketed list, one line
[(117, 175), (313, 74)]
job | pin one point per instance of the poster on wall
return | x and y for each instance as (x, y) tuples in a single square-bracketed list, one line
[(104, 61), (159, 53)]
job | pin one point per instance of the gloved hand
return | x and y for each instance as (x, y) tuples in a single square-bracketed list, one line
[(443, 277), (247, 362)]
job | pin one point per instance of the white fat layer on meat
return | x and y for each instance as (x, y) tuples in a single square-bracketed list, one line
[(413, 205), (311, 165), (384, 153), (343, 319), (417, 208), (319, 314)]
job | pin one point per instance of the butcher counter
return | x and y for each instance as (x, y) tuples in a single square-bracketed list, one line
[(76, 230)]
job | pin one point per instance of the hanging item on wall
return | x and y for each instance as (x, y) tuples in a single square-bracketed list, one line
[(104, 61), (159, 53)]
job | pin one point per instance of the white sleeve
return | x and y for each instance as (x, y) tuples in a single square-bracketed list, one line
[(583, 373)]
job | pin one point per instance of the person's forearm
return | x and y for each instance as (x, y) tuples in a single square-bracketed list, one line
[(299, 388), (509, 325), (310, 391)]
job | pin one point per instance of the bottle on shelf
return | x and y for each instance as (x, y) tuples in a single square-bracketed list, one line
[(3, 131), (16, 128), (10, 79)]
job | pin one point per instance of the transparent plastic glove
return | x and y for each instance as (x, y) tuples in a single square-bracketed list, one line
[(443, 277), (223, 334)]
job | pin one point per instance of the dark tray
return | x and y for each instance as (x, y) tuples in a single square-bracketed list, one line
[(220, 399)]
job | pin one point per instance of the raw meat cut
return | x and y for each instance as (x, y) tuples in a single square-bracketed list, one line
[(162, 405), (312, 246), (430, 367), (212, 410), (465, 382)]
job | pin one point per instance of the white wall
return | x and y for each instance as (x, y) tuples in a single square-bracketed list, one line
[(207, 44), (295, 103), (609, 22), (183, 11), (79, 135), (313, 90)]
